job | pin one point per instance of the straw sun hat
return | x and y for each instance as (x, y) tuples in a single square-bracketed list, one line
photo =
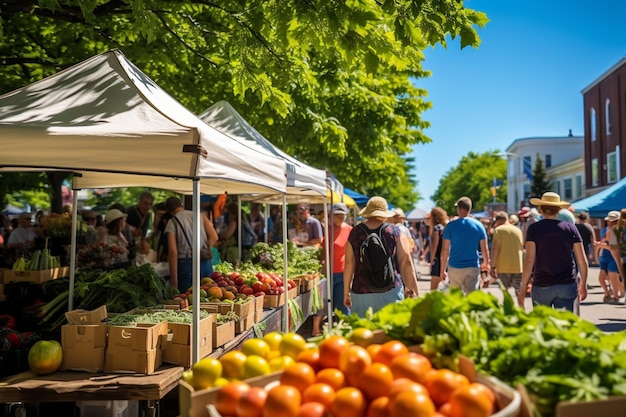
[(549, 199), (376, 207)]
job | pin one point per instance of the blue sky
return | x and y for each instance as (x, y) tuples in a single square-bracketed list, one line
[(524, 80)]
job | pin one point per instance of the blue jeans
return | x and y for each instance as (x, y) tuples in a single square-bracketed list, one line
[(338, 293), (185, 272), (557, 296)]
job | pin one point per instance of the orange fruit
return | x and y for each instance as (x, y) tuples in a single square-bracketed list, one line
[(471, 401), (232, 364), (251, 403), (348, 402), (441, 383), (319, 393), (330, 349), (257, 347), (227, 397), (411, 404), (312, 409), (375, 381), (486, 390), (390, 350), (299, 375), (412, 366), (404, 384), (282, 401), (331, 376), (373, 349), (362, 336), (310, 356), (378, 407), (444, 410), (292, 344), (353, 360)]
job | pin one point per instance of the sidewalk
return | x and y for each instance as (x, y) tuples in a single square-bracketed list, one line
[(607, 317)]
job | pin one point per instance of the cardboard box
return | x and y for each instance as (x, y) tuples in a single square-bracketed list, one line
[(223, 333), (258, 304), (245, 323), (36, 276), (194, 403), (306, 284), (135, 349), (2, 295), (2, 274), (80, 316), (132, 361), (83, 347), (610, 407), (274, 301), (241, 310), (178, 346)]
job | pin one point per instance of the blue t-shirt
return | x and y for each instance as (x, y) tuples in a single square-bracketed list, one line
[(464, 234)]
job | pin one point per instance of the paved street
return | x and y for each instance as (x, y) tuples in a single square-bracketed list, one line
[(608, 317)]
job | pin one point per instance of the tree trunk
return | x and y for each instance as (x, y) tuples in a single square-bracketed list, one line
[(56, 179)]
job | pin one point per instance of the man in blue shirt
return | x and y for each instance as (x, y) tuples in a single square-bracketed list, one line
[(462, 238)]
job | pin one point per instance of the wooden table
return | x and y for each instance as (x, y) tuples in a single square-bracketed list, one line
[(71, 386)]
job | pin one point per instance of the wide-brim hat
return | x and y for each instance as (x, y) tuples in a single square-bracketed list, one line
[(376, 207), (613, 216), (115, 214), (549, 199), (524, 212), (398, 212)]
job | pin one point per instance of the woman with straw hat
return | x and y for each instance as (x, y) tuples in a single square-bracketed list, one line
[(552, 246), (358, 294)]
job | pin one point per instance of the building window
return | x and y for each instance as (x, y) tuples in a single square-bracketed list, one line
[(558, 187), (592, 123), (527, 193), (528, 168), (548, 161), (607, 116), (567, 188), (611, 167), (594, 172), (579, 186)]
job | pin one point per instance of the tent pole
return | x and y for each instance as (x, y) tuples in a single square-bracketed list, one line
[(285, 266), (70, 300), (328, 253), (195, 258)]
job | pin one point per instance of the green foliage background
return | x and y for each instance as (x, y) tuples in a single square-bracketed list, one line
[(472, 177), (327, 81)]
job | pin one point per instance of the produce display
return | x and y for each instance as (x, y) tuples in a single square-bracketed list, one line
[(555, 354), (120, 290), (339, 378)]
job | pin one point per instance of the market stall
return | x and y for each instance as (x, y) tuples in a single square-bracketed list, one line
[(110, 124)]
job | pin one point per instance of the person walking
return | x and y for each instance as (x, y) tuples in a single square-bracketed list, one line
[(358, 293), (341, 232), (554, 252), (462, 239), (609, 270), (587, 234), (140, 215), (438, 219), (507, 251), (179, 231)]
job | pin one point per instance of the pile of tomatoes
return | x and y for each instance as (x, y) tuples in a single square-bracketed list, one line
[(345, 379)]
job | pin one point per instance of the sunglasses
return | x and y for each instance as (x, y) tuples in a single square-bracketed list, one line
[(302, 208)]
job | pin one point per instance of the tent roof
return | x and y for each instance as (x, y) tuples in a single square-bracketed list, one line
[(104, 115), (359, 199), (302, 179), (599, 204), (416, 214)]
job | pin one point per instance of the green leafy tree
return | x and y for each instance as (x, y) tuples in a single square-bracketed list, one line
[(540, 183), (327, 81), (472, 177)]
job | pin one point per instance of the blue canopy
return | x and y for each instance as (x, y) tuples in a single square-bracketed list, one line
[(359, 199), (599, 204)]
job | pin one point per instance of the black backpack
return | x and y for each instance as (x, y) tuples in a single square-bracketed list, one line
[(377, 262)]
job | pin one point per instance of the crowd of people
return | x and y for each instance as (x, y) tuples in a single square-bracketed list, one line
[(542, 251)]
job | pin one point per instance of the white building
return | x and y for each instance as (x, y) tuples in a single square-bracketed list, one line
[(564, 162)]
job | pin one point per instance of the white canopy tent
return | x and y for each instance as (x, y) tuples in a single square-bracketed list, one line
[(111, 125), (304, 183)]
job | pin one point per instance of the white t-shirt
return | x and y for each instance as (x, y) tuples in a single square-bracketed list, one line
[(21, 235)]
